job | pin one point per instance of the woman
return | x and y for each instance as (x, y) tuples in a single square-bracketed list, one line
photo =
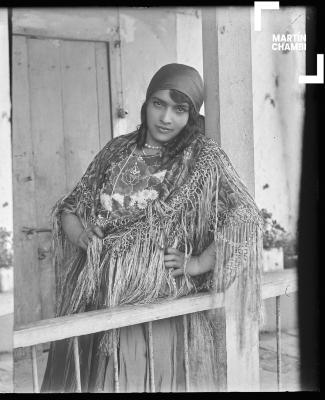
[(160, 212)]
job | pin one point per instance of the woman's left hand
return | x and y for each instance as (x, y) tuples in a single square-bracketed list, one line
[(175, 259)]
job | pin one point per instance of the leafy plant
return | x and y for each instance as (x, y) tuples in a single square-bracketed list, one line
[(290, 247), (5, 248), (274, 235)]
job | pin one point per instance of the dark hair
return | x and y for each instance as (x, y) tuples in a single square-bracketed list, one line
[(194, 127)]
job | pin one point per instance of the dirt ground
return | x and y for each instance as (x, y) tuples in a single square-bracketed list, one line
[(289, 363), (6, 377)]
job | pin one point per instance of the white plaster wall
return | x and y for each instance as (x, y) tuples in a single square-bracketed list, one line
[(278, 116), (5, 139), (148, 41), (150, 38), (278, 124), (189, 39)]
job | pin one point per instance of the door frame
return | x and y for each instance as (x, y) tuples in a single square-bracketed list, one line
[(105, 27), (21, 216)]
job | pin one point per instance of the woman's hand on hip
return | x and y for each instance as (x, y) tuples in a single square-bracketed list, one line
[(175, 259), (87, 234)]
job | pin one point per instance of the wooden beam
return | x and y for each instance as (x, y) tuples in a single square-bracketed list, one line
[(66, 23), (227, 72), (96, 321), (278, 283), (242, 345), (226, 35), (101, 320), (211, 74)]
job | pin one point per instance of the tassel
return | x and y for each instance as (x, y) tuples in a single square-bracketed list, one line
[(94, 252), (127, 266)]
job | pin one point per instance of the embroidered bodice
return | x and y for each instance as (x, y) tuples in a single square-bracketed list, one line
[(132, 182)]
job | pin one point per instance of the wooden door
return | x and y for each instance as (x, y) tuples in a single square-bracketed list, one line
[(61, 118)]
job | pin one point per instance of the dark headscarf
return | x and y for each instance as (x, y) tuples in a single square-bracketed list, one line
[(180, 77)]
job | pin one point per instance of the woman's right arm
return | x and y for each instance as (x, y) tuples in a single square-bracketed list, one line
[(76, 233)]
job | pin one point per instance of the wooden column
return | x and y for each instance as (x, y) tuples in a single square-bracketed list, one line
[(227, 70)]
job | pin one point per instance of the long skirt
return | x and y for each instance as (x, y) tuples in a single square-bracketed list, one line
[(97, 369)]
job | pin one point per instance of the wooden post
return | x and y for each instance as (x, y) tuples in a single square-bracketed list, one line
[(115, 363), (226, 36), (211, 73), (151, 359), (227, 72), (278, 341), (77, 363), (186, 358), (242, 364), (35, 371)]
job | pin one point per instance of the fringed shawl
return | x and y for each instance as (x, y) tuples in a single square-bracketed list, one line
[(202, 201)]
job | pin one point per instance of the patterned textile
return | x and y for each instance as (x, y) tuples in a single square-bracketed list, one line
[(131, 184), (201, 200)]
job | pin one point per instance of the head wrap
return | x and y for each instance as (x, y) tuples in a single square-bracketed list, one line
[(180, 77)]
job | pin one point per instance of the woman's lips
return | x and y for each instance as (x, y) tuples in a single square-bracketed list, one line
[(163, 129)]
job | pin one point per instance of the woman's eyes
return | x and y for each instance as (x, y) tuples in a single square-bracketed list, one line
[(179, 109), (157, 103)]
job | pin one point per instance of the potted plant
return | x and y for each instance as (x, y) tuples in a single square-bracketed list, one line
[(6, 269), (290, 252), (279, 252), (275, 239)]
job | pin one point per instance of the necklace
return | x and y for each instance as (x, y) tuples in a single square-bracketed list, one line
[(148, 146), (143, 152)]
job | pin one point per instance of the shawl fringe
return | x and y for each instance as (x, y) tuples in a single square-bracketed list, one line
[(127, 266)]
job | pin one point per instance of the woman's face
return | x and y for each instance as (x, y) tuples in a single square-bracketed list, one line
[(165, 118)]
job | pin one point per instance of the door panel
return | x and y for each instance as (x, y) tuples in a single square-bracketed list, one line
[(47, 154), (65, 100), (27, 306), (79, 102)]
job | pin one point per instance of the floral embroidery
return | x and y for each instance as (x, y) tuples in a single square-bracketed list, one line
[(141, 198), (106, 201), (132, 185), (160, 175), (119, 198)]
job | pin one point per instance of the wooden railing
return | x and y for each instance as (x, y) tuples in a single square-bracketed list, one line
[(274, 284)]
